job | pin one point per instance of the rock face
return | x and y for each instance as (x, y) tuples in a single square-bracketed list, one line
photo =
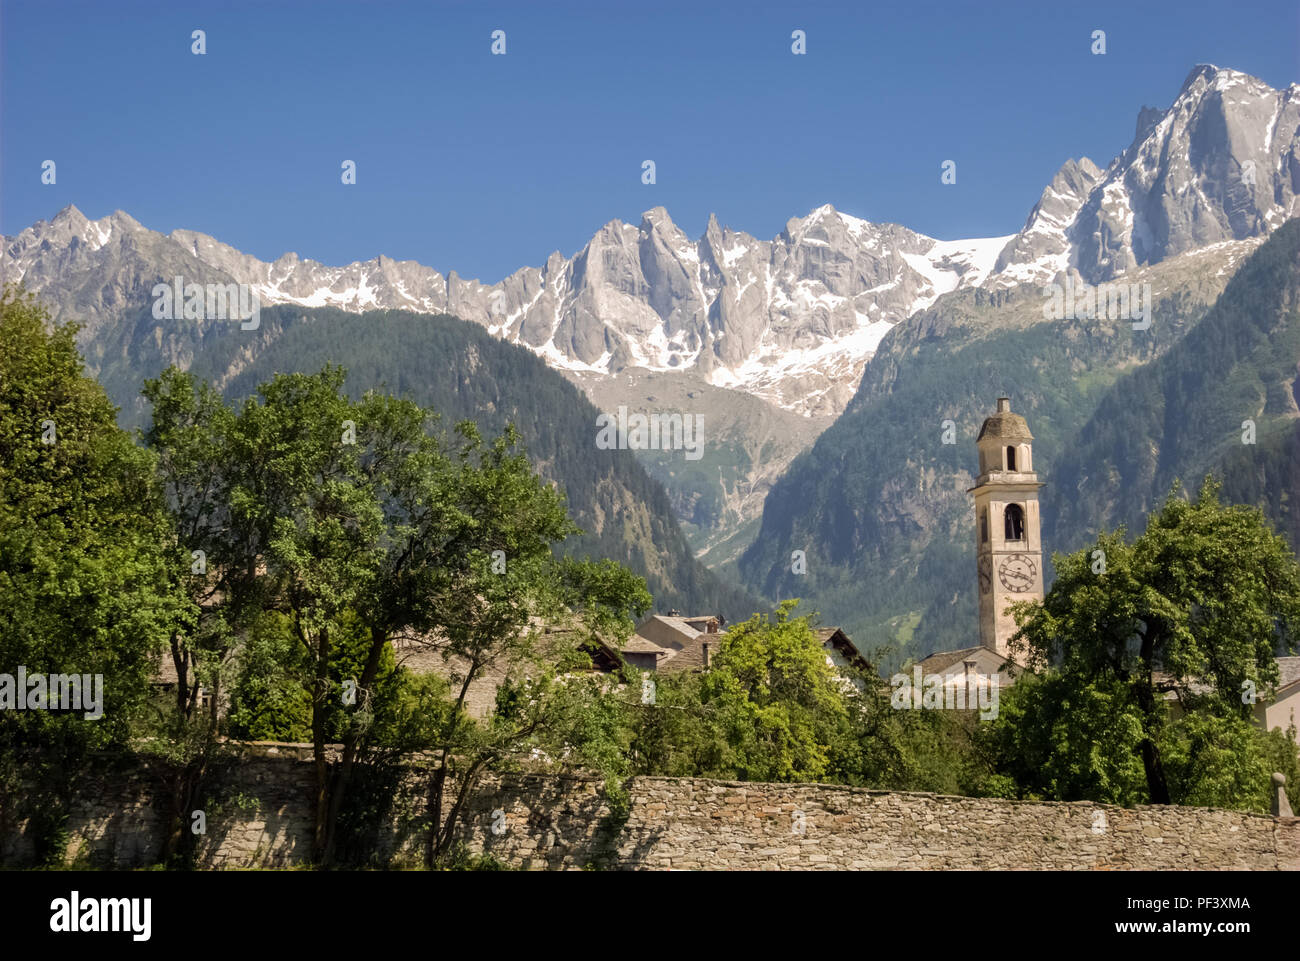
[(791, 320), (1043, 247), (1222, 163)]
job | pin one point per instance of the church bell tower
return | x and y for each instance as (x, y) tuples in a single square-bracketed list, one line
[(1008, 548)]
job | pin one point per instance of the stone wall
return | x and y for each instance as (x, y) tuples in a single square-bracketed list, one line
[(263, 818)]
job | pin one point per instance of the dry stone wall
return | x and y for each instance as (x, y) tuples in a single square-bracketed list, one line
[(264, 818)]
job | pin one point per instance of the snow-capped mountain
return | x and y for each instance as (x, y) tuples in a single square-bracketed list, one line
[(1222, 163), (793, 319)]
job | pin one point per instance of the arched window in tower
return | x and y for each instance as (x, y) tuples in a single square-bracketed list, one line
[(984, 526), (1015, 522), (1011, 458)]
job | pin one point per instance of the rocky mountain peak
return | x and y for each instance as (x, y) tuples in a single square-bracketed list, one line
[(1221, 163), (657, 218), (792, 319), (69, 216), (121, 219), (1208, 75), (1147, 119)]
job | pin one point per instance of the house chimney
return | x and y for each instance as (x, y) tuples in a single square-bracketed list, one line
[(1004, 405)]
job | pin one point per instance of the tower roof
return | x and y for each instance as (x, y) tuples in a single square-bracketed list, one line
[(1004, 425)]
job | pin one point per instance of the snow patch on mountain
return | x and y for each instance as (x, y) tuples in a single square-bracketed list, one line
[(793, 319)]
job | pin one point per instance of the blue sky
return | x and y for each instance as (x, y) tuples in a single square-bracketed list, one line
[(483, 163)]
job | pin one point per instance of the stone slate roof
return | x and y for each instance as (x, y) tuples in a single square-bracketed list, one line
[(1290, 669), (950, 662), (1005, 425), (843, 643), (939, 662), (1164, 681), (679, 624)]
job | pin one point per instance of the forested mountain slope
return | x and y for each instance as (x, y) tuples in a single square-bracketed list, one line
[(879, 504), (465, 373)]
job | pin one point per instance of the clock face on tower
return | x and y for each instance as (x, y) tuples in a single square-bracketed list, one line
[(1018, 573), (986, 574)]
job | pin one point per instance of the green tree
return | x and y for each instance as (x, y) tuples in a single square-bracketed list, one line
[(779, 705), (190, 435), (84, 580), (1191, 613), (550, 706), (467, 563), (307, 486), (360, 523), (773, 708), (274, 676)]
